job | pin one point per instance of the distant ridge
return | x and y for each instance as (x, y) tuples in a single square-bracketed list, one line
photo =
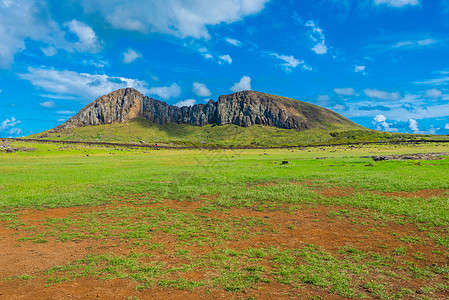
[(245, 109)]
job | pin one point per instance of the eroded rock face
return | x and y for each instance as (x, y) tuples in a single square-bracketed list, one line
[(244, 108)]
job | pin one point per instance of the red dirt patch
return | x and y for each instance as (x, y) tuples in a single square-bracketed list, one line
[(329, 227), (428, 193)]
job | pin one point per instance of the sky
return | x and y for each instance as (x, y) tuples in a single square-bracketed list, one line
[(384, 64)]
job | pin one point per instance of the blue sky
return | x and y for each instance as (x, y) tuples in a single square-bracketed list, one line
[(382, 63)]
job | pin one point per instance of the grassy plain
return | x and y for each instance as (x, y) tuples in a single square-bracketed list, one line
[(88, 221)]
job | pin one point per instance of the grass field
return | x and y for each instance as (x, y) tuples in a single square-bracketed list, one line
[(103, 222)]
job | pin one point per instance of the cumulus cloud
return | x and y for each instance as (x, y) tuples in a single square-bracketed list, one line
[(344, 91), (87, 39), (413, 125), (8, 126), (446, 126), (234, 42), (82, 86), (14, 33), (48, 104), (242, 85), (373, 93), (8, 123), (290, 62), (380, 123), (130, 56), (320, 48), (187, 102), (188, 18), (201, 89), (226, 58), (22, 21), (205, 53), (434, 93), (397, 3), (360, 69), (317, 36), (166, 92)]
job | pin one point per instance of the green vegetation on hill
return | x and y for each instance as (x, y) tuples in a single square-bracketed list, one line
[(140, 129)]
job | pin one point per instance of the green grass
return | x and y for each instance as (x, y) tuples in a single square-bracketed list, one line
[(208, 220)]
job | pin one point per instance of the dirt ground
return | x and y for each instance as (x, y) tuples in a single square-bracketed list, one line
[(313, 224)]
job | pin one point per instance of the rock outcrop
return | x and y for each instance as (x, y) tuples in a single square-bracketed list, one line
[(244, 108)]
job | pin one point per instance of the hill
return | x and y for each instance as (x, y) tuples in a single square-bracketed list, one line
[(246, 118)]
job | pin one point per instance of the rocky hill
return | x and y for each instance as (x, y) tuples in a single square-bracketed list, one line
[(244, 108)]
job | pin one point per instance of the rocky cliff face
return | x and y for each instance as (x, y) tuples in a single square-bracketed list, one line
[(244, 108)]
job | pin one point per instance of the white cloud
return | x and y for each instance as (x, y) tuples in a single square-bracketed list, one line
[(290, 62), (48, 104), (409, 44), (63, 97), (380, 121), (205, 52), (15, 131), (426, 42), (9, 123), (130, 56), (187, 102), (317, 36), (187, 18), (446, 126), (96, 63), (24, 21), (226, 58), (380, 118), (323, 99), (66, 112), (166, 92), (372, 93), (339, 107), (234, 42), (80, 85), (49, 50), (320, 48), (434, 93), (403, 44), (8, 126), (243, 84), (344, 91), (20, 20), (360, 69), (413, 125), (88, 41), (61, 120), (397, 3), (435, 81), (201, 89)]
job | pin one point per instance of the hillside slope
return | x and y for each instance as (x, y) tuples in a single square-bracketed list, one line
[(246, 108)]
